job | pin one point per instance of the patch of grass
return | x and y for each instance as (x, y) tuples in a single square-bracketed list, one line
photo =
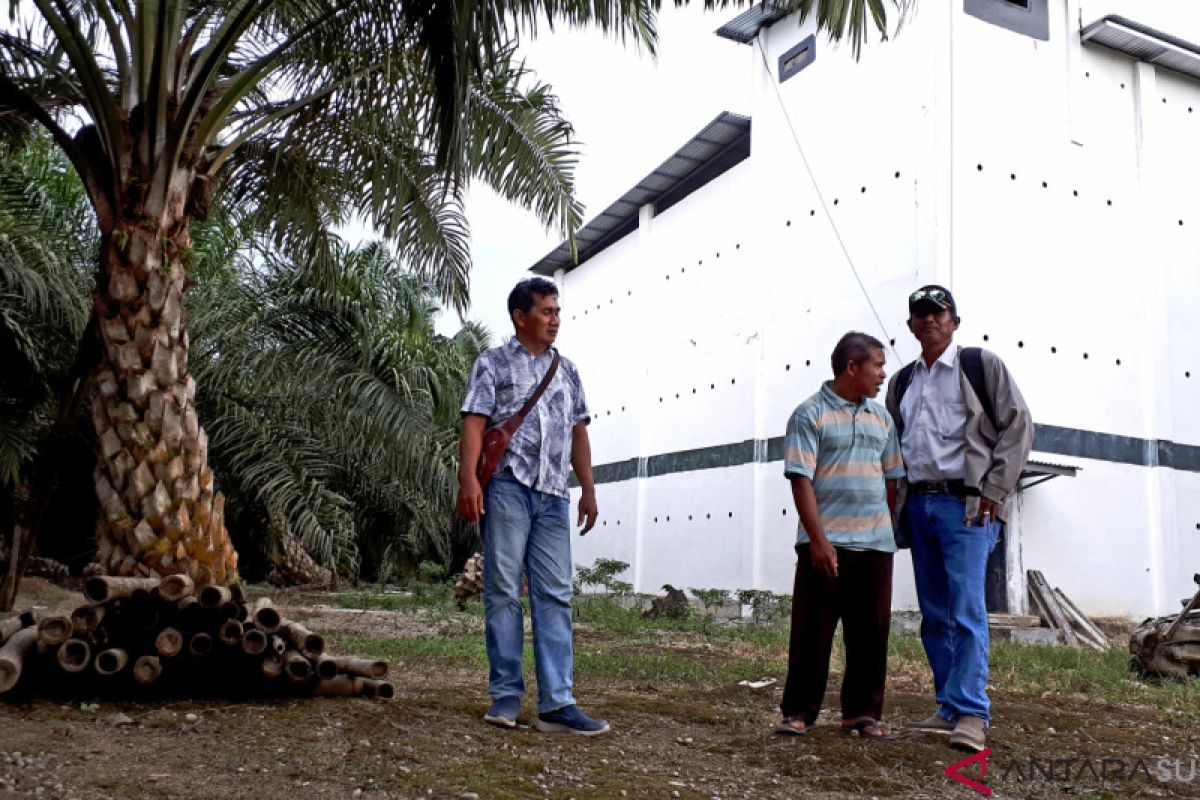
[(462, 652), (1097, 676)]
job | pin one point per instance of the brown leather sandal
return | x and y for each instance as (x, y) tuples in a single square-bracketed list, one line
[(792, 726), (868, 728)]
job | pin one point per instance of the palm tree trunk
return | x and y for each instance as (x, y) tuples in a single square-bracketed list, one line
[(160, 512)]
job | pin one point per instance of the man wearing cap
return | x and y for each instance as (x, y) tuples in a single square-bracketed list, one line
[(965, 433)]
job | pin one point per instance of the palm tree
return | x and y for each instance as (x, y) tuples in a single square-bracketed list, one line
[(333, 405), (307, 110)]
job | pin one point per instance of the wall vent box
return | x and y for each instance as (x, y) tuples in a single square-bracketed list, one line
[(797, 58), (1029, 17)]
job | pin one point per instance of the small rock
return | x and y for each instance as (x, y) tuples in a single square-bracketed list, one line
[(190, 717), (117, 720), (357, 792), (469, 796)]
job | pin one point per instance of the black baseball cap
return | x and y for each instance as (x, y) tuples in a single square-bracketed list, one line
[(932, 298)]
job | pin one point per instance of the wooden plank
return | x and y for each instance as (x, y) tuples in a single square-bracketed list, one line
[(1054, 613), (1089, 633)]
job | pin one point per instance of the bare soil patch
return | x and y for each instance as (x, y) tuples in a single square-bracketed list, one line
[(669, 741)]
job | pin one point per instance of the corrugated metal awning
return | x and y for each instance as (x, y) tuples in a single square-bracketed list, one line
[(1144, 43), (1036, 472), (720, 145), (745, 26)]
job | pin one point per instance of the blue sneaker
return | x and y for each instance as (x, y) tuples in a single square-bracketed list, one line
[(570, 719), (503, 712)]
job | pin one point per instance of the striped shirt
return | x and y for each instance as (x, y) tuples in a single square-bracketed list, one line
[(504, 377), (848, 451)]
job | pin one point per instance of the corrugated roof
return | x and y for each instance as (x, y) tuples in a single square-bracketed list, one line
[(1144, 43), (745, 26), (720, 145)]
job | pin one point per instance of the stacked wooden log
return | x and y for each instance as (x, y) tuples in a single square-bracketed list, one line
[(138, 633)]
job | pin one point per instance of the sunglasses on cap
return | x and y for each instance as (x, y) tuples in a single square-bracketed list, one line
[(937, 296)]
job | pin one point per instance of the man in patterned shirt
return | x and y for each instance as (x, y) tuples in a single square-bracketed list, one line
[(525, 510), (843, 460)]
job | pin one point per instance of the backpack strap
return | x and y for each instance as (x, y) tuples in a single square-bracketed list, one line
[(972, 367), (903, 379)]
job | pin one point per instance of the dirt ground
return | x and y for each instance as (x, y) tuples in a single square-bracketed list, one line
[(667, 742)]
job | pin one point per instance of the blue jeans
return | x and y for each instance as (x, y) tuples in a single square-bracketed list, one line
[(949, 562), (523, 527)]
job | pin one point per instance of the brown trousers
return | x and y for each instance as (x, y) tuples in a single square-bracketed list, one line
[(861, 597)]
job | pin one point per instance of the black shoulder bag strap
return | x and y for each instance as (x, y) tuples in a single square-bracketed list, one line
[(903, 379), (972, 367)]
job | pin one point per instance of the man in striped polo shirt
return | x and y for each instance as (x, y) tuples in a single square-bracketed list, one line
[(843, 460)]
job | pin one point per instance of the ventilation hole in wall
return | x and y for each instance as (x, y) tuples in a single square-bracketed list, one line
[(1085, 355), (712, 386), (622, 408), (732, 381), (610, 301), (897, 175), (788, 224), (985, 337), (1164, 101), (807, 362), (1109, 202), (1045, 185), (656, 519), (737, 246), (835, 201), (863, 190), (1122, 86), (597, 306), (1075, 192), (660, 399), (618, 523), (1053, 349), (585, 312), (677, 395), (731, 515), (785, 512), (693, 391), (718, 255), (682, 270), (668, 519), (1087, 74), (629, 293), (1118, 362), (812, 212), (709, 516), (979, 167), (608, 413), (668, 277), (689, 517), (572, 318), (1012, 176), (787, 367), (1187, 374), (1181, 222), (1020, 344), (892, 342)]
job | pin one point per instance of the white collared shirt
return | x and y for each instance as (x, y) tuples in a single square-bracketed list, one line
[(934, 443)]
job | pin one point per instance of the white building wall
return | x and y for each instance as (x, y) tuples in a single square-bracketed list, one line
[(1049, 184)]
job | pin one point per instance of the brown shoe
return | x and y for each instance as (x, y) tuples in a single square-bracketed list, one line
[(970, 733), (934, 723)]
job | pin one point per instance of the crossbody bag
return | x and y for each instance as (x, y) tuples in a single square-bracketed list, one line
[(497, 437)]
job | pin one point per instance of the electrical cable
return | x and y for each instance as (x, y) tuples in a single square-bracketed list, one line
[(888, 338)]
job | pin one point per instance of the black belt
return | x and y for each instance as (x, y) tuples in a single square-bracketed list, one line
[(955, 487)]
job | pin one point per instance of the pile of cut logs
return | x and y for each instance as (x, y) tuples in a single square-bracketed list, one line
[(138, 633)]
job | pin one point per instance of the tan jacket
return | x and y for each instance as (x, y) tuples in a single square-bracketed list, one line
[(994, 457)]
